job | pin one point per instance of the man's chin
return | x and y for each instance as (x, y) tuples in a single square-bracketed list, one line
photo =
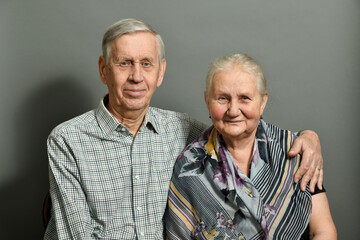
[(137, 106)]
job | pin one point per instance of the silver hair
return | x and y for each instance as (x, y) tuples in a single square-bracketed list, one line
[(129, 25), (244, 62)]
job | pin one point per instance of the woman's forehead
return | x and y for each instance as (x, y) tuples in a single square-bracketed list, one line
[(233, 80)]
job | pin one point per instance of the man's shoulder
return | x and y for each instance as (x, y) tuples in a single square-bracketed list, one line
[(168, 115), (175, 119), (179, 125), (77, 124)]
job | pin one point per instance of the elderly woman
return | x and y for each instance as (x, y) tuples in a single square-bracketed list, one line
[(235, 181)]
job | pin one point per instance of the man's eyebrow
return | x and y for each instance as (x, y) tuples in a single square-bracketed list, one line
[(121, 58), (150, 59), (118, 59)]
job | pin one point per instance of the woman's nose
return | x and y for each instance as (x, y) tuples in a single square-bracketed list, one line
[(234, 109)]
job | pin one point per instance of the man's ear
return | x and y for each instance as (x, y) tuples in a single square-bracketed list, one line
[(161, 72), (102, 69)]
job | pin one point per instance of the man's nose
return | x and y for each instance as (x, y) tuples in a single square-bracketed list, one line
[(136, 73)]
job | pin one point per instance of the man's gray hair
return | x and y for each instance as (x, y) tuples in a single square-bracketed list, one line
[(129, 25), (244, 63)]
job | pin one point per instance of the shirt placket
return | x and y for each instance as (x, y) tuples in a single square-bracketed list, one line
[(140, 176)]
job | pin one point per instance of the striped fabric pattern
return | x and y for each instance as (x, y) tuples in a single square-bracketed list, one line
[(211, 198)]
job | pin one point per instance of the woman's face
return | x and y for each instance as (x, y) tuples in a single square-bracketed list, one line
[(235, 104)]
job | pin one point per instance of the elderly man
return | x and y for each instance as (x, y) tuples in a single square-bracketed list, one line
[(110, 168)]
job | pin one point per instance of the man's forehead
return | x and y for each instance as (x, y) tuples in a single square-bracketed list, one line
[(140, 55), (135, 45), (143, 38)]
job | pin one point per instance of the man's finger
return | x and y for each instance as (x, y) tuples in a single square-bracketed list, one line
[(320, 180), (295, 148), (299, 173), (306, 178), (304, 167), (314, 179), (310, 173)]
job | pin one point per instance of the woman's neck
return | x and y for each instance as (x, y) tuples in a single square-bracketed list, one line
[(241, 150)]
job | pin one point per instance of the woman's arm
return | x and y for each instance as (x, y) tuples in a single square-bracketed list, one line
[(321, 223)]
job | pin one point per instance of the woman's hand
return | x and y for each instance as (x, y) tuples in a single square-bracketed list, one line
[(311, 167)]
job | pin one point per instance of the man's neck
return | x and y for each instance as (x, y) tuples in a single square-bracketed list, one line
[(132, 119)]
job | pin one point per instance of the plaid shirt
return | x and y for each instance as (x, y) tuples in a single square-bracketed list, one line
[(106, 184)]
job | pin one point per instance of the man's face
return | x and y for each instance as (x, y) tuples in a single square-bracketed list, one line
[(133, 72)]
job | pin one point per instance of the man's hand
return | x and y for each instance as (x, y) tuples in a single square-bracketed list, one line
[(311, 167)]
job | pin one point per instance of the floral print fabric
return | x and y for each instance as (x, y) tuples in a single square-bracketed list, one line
[(211, 198)]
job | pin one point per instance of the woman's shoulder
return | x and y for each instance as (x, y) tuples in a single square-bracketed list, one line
[(197, 145), (193, 154), (275, 133), (277, 140)]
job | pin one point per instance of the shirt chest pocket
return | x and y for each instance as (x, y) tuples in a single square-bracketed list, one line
[(161, 172), (159, 185)]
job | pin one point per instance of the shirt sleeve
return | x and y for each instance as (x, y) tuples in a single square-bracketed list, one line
[(70, 215), (196, 128)]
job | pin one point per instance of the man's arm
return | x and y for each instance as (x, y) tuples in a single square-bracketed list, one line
[(70, 213), (311, 167)]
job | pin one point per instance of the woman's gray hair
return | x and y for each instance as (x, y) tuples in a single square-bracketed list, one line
[(244, 63), (129, 25)]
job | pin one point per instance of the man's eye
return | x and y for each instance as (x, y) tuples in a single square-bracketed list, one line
[(146, 64), (222, 99), (123, 64)]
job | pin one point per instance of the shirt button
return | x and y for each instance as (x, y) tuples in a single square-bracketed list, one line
[(122, 129), (249, 193), (142, 234), (137, 177), (139, 208)]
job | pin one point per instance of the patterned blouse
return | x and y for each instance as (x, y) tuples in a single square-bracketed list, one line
[(211, 198)]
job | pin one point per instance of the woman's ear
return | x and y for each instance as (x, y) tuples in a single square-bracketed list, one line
[(263, 103), (206, 97)]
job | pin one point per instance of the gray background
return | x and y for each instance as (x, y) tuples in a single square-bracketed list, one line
[(309, 50)]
